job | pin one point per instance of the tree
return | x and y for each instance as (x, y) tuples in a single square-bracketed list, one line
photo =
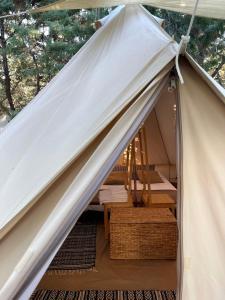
[(33, 48), (207, 43), (5, 79)]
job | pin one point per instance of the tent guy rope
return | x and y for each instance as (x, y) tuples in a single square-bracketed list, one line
[(184, 42)]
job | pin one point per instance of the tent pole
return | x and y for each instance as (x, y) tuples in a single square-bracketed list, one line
[(147, 165), (142, 163)]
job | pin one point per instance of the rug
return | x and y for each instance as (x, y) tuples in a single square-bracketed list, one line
[(78, 252), (103, 295)]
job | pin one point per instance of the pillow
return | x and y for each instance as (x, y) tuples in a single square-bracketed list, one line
[(149, 176)]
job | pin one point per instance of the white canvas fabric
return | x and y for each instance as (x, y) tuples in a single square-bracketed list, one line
[(206, 8), (4, 120), (161, 134), (105, 75), (107, 18), (202, 188), (58, 209)]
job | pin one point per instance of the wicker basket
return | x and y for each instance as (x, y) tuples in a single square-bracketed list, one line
[(142, 233)]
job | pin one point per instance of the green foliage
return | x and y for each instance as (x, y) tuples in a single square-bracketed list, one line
[(37, 46), (207, 43)]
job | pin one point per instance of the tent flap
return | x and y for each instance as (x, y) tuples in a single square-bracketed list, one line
[(78, 104)]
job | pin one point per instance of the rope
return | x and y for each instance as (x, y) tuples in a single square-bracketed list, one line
[(184, 42)]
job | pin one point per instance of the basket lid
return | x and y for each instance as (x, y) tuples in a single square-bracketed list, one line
[(141, 215)]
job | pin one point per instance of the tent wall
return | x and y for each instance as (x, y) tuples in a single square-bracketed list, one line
[(161, 135), (202, 189), (163, 155)]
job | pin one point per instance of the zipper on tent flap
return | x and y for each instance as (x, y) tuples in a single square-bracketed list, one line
[(179, 147)]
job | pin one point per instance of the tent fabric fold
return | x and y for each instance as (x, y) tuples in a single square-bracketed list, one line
[(206, 8), (57, 126)]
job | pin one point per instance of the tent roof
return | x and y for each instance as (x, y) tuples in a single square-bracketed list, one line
[(216, 87), (206, 8)]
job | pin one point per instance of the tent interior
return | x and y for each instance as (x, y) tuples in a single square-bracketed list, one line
[(122, 271)]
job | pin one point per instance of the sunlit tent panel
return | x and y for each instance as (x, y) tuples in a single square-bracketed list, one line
[(206, 8), (63, 119)]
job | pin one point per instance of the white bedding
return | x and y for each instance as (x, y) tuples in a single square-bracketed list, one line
[(118, 193), (112, 193)]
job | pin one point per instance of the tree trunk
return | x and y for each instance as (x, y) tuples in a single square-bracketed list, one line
[(216, 71), (38, 77), (5, 66)]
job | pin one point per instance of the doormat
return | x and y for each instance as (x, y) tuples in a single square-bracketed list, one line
[(103, 295), (78, 252)]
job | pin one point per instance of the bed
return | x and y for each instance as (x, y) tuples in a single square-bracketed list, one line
[(118, 193)]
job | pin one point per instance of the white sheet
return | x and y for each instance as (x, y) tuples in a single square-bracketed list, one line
[(118, 193), (112, 193)]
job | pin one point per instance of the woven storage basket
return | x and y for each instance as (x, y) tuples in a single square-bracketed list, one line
[(142, 233)]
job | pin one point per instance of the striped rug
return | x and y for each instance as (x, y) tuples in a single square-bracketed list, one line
[(103, 295), (78, 252)]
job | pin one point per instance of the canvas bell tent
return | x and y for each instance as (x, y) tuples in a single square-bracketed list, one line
[(52, 167)]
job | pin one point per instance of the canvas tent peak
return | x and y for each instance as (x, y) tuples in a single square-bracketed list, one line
[(108, 17), (206, 8)]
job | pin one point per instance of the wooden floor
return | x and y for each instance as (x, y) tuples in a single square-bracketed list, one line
[(116, 274)]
